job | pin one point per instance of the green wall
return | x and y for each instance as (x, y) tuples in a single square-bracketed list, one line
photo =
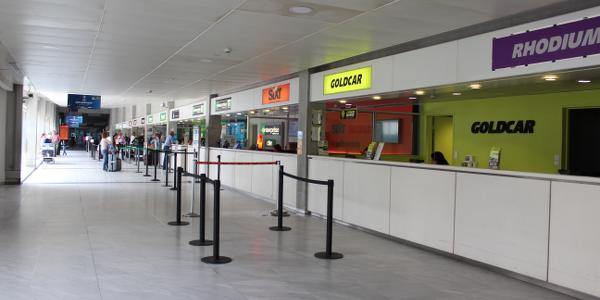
[(520, 152)]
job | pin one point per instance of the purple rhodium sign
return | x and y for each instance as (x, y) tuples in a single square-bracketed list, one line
[(575, 39)]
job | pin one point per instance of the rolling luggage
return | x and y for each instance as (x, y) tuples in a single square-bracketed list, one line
[(114, 163)]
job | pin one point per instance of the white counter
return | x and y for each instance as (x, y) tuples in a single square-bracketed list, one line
[(544, 226), (260, 180)]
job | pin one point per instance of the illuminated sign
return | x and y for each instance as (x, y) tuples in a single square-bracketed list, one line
[(198, 109), (271, 130), (162, 117), (174, 114), (348, 114), (353, 80), (150, 119), (275, 94), (76, 101), (134, 122), (143, 121), (223, 104)]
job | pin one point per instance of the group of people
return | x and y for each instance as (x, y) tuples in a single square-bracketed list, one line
[(157, 143), (51, 138)]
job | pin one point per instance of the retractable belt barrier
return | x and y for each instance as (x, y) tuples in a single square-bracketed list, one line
[(328, 254), (216, 258)]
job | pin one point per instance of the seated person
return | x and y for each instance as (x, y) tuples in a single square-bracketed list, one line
[(437, 158)]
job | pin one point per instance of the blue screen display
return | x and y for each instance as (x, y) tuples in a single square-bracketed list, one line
[(74, 121), (76, 102)]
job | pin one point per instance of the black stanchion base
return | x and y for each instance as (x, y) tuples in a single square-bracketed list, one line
[(175, 223), (155, 180), (173, 188), (166, 185), (334, 255), (283, 228), (216, 260), (192, 215), (201, 243), (147, 175)]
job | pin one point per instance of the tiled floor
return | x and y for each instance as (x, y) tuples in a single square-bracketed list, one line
[(74, 232)]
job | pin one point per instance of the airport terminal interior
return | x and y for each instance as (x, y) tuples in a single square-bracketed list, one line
[(300, 149)]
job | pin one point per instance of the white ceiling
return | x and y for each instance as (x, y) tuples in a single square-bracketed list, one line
[(122, 49)]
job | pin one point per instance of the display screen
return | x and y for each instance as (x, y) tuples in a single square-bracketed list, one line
[(76, 102), (74, 121), (387, 131), (348, 114)]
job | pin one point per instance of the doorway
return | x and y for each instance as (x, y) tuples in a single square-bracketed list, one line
[(442, 136), (583, 142)]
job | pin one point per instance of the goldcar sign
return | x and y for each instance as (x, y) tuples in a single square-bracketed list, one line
[(353, 80)]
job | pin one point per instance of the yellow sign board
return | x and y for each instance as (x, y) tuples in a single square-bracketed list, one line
[(353, 80)]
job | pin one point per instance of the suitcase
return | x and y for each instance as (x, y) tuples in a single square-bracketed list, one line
[(114, 164)]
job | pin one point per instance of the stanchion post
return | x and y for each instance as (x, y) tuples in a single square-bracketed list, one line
[(185, 154), (196, 166), (137, 159), (192, 214), (178, 222), (175, 179), (216, 258), (202, 241), (156, 157), (219, 167), (328, 254), (167, 159), (147, 162), (280, 226)]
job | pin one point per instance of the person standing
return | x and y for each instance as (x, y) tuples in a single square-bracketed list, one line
[(167, 147), (104, 147), (55, 141)]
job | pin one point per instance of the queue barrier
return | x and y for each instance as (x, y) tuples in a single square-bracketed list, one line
[(216, 257), (328, 253)]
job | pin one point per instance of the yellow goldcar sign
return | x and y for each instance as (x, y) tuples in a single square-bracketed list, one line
[(353, 80)]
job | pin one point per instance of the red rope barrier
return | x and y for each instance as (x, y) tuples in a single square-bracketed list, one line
[(236, 163)]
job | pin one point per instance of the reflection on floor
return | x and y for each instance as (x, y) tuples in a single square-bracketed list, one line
[(110, 241)]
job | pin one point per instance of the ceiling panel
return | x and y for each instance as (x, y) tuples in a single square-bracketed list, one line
[(124, 48)]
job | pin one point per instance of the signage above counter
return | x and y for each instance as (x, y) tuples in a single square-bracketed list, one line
[(511, 127), (276, 94), (76, 101), (223, 104), (569, 40), (198, 110), (348, 81), (174, 114), (150, 119), (162, 117)]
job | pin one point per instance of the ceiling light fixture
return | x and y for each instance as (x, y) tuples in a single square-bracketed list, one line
[(285, 108), (456, 94), (376, 97), (239, 114), (342, 101), (300, 10), (228, 115), (584, 81), (550, 77), (267, 110), (252, 112), (412, 98), (420, 93), (475, 86)]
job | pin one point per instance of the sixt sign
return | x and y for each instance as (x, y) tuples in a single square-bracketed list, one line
[(275, 94), (353, 80), (574, 39)]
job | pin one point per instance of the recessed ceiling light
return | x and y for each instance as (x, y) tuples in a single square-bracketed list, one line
[(285, 108), (300, 10), (420, 93), (376, 97), (475, 86), (342, 101), (456, 93), (267, 110), (50, 47), (228, 115), (412, 98), (252, 112), (239, 114), (550, 77), (584, 81)]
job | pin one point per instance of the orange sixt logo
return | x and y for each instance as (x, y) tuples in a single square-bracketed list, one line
[(280, 93)]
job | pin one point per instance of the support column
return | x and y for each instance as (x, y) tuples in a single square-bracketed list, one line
[(213, 130), (305, 145), (13, 135)]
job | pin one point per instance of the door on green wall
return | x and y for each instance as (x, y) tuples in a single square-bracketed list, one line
[(443, 136), (584, 142)]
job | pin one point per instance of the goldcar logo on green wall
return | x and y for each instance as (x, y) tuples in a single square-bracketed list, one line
[(353, 80)]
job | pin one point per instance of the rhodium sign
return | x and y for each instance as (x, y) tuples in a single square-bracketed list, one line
[(353, 80), (275, 94), (575, 39)]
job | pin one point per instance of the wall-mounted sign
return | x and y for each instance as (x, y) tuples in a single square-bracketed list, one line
[(223, 104), (521, 126), (75, 102), (162, 117), (353, 80), (275, 94), (174, 114), (575, 39), (130, 123), (348, 114), (134, 122), (198, 109), (150, 119), (271, 130), (143, 121)]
